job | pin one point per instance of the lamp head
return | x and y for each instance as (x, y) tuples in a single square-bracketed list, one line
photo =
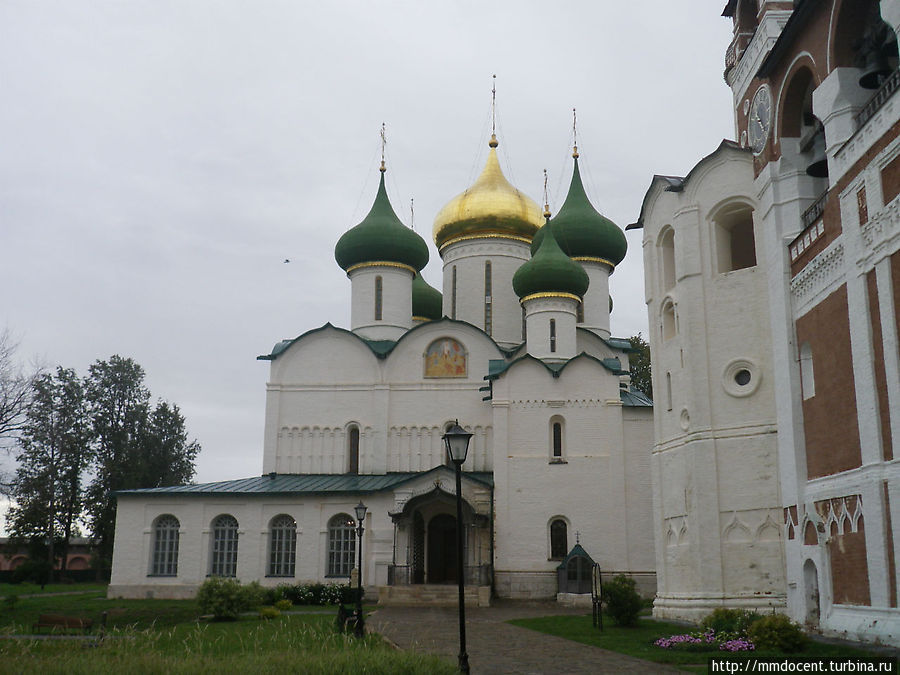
[(457, 442), (360, 512)]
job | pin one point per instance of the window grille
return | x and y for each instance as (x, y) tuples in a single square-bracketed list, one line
[(282, 546), (341, 545), (165, 547), (225, 547)]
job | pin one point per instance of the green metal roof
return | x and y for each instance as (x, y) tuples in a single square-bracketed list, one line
[(381, 348), (427, 301), (292, 484), (635, 398), (550, 270), (581, 231), (497, 367), (381, 237)]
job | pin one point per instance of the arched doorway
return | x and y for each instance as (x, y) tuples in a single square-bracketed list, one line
[(442, 549), (811, 593)]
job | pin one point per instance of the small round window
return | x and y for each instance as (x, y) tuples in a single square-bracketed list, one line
[(741, 377)]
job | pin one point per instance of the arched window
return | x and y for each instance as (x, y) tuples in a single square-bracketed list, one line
[(341, 545), (559, 539), (735, 241), (557, 433), (669, 326), (353, 449), (807, 376), (579, 311), (165, 547), (224, 547), (378, 298), (488, 318), (667, 258), (552, 335), (524, 325), (282, 546), (798, 122)]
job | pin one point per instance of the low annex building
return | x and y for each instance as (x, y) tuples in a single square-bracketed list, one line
[(517, 348)]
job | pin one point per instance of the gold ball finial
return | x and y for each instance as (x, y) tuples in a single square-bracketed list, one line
[(493, 143), (382, 168), (575, 151)]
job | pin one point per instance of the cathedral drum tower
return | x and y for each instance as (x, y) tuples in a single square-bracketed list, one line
[(483, 236)]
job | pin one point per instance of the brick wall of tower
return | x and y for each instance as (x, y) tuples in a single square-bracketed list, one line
[(881, 389), (849, 567), (829, 417), (895, 277)]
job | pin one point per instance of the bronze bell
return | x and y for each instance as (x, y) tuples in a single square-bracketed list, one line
[(818, 166), (876, 70)]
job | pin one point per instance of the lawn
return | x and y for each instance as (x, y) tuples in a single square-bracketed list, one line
[(165, 636), (638, 641), (33, 589)]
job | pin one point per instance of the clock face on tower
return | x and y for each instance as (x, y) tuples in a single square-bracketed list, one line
[(760, 119)]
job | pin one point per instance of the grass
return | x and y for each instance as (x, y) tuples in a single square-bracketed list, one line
[(638, 641), (165, 636), (35, 589)]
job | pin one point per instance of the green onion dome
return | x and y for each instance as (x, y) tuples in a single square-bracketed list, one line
[(550, 270), (381, 238), (427, 303), (582, 232)]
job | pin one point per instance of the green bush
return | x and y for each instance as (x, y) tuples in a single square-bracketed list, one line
[(727, 620), (254, 594), (267, 613), (623, 602), (35, 571), (776, 631), (283, 605), (224, 598)]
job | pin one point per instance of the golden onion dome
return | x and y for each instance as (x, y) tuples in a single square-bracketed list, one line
[(491, 207)]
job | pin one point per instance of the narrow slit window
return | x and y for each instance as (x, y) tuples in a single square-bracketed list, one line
[(453, 295), (488, 319), (668, 391), (559, 539), (552, 335), (579, 312), (557, 439), (378, 298), (353, 450), (524, 330)]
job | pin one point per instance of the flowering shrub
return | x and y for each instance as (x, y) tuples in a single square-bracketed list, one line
[(688, 641), (738, 645), (311, 594), (705, 641)]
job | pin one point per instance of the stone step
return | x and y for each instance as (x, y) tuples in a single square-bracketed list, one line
[(433, 595)]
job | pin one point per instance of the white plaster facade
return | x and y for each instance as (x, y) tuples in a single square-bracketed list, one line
[(826, 273), (717, 511), (396, 387)]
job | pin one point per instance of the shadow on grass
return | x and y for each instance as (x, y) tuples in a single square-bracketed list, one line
[(638, 641)]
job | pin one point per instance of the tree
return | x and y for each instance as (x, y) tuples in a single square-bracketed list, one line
[(54, 454), (135, 446), (15, 395), (641, 371)]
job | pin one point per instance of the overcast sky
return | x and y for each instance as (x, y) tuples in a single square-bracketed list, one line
[(159, 160)]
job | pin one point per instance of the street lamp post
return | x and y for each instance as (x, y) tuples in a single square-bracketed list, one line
[(360, 517), (457, 442)]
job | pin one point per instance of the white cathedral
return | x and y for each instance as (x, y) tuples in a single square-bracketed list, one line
[(517, 348)]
